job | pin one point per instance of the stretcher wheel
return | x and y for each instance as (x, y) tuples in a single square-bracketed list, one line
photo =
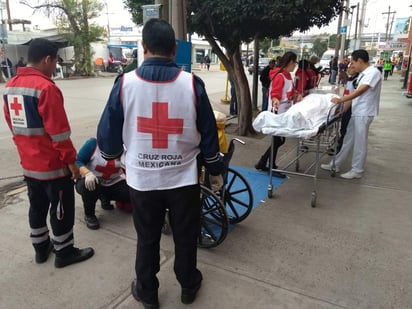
[(214, 224), (313, 199), (270, 190), (238, 197)]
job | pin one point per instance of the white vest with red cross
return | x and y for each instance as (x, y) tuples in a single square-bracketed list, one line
[(159, 132), (109, 172), (287, 92)]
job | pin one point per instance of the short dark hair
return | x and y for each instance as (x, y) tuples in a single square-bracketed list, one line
[(159, 37), (360, 54), (40, 48), (303, 64)]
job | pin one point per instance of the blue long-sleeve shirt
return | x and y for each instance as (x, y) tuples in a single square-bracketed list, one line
[(110, 128), (86, 151)]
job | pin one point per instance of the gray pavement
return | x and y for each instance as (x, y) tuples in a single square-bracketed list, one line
[(352, 251)]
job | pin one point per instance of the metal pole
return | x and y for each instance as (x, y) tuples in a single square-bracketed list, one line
[(337, 44), (405, 80), (387, 25), (108, 24), (9, 16), (357, 21), (361, 23), (255, 73), (343, 38), (3, 33)]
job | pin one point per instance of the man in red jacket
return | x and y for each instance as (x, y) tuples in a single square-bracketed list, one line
[(34, 111)]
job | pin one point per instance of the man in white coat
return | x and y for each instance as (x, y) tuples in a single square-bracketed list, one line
[(365, 106)]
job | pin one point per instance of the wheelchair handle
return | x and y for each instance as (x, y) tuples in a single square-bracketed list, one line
[(238, 140)]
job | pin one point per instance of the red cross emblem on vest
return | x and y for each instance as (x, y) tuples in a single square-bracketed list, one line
[(108, 170), (16, 106), (160, 125)]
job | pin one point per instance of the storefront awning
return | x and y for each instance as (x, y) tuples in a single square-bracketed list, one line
[(130, 46), (58, 39)]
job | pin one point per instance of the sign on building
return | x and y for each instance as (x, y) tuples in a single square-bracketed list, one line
[(151, 11)]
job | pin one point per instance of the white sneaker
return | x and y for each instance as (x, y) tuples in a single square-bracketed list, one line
[(351, 175), (328, 167)]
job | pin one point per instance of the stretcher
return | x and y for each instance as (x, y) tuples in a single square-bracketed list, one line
[(314, 122)]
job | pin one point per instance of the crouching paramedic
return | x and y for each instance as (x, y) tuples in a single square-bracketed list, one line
[(100, 178)]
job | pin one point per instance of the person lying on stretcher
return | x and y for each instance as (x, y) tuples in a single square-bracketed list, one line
[(300, 120)]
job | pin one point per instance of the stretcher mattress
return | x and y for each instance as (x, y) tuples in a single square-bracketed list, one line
[(301, 120)]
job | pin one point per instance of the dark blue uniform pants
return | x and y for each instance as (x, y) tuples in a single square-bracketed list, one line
[(117, 192), (149, 208), (56, 196)]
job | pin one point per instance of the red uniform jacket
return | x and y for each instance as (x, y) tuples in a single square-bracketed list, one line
[(34, 111)]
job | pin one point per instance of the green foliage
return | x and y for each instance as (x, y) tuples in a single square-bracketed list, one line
[(135, 8), (235, 21), (333, 40), (319, 46), (74, 22), (265, 44)]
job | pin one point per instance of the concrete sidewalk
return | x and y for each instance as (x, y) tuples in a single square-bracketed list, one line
[(353, 250)]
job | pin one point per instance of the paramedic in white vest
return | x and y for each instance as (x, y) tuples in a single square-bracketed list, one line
[(364, 102), (100, 179), (163, 117)]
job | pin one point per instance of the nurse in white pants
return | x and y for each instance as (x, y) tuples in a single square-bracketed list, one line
[(365, 106)]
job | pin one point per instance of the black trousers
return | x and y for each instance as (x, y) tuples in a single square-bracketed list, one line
[(343, 126), (57, 197), (277, 142), (149, 209), (117, 192)]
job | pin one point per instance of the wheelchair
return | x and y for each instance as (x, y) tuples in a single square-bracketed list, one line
[(230, 205)]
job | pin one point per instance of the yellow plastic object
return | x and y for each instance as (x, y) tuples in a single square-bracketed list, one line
[(220, 125)]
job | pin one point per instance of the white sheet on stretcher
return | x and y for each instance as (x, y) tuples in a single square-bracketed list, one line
[(301, 120)]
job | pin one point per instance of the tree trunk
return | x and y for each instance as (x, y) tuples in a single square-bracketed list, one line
[(242, 96), (255, 73), (234, 66)]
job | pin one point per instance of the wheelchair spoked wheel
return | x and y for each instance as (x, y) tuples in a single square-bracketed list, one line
[(238, 197), (214, 224)]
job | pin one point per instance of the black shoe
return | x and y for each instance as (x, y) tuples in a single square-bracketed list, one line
[(278, 175), (107, 206), (43, 255), (262, 168), (134, 293), (331, 151), (189, 294), (92, 222), (75, 256)]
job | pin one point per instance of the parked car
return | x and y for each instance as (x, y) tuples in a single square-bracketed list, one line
[(325, 59), (263, 62)]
